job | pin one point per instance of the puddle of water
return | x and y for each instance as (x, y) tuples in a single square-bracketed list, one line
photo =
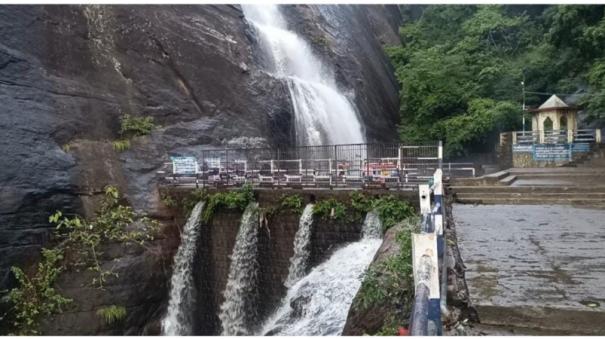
[(590, 303)]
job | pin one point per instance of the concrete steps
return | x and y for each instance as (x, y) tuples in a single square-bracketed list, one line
[(589, 202), (525, 189)]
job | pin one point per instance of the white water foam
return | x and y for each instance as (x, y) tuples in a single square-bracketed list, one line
[(238, 313), (318, 304), (302, 247), (323, 114), (178, 319)]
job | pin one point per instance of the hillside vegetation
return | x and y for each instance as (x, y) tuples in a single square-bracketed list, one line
[(461, 67)]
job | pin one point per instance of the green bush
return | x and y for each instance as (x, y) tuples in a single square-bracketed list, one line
[(330, 209), (292, 202), (237, 199), (131, 126), (391, 210), (35, 297), (193, 198), (79, 249), (110, 224), (391, 282), (112, 313)]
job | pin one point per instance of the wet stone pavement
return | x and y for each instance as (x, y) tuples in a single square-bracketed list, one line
[(535, 266)]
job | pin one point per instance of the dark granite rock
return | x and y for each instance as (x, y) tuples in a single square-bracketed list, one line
[(67, 73)]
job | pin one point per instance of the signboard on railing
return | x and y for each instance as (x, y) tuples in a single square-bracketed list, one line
[(184, 165), (580, 147), (552, 152), (518, 148)]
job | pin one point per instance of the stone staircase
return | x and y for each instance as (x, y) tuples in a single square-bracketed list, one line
[(580, 186)]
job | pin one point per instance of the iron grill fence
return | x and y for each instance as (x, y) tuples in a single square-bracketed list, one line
[(351, 165)]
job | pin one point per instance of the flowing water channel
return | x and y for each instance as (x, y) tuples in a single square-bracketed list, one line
[(318, 303), (238, 313), (323, 114), (179, 316), (302, 247)]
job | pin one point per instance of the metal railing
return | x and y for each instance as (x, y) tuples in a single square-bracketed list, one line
[(392, 166), (429, 253), (561, 136)]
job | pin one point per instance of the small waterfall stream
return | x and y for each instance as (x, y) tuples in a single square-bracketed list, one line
[(323, 114), (319, 302), (178, 319), (302, 251), (372, 226), (238, 313)]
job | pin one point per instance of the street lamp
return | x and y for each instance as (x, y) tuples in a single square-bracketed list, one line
[(523, 105)]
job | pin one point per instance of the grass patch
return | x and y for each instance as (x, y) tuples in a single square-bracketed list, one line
[(112, 314), (121, 145)]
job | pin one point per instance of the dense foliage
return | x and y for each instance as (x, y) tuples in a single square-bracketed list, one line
[(131, 126), (236, 199), (391, 283), (461, 68), (36, 297), (330, 209), (389, 208), (79, 249)]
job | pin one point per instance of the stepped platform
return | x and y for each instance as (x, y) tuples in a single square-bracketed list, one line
[(562, 186), (534, 268)]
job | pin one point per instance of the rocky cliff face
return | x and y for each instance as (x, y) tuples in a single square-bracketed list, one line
[(67, 73)]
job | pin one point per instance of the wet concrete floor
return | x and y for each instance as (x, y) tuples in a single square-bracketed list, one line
[(535, 265)]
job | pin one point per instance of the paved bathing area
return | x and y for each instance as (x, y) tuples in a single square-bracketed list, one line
[(535, 266)]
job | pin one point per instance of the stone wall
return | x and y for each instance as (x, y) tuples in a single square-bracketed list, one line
[(276, 239)]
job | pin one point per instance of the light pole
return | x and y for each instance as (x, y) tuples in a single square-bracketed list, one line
[(523, 105)]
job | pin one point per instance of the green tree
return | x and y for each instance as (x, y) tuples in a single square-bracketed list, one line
[(461, 67)]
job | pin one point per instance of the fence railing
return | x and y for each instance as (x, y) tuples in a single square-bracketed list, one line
[(556, 136), (429, 251), (392, 166)]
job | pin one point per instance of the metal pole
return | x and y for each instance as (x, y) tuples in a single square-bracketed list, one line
[(523, 105)]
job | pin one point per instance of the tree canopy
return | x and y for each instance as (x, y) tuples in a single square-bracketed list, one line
[(461, 66)]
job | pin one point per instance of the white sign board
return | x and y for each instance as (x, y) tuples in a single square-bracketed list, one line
[(184, 165)]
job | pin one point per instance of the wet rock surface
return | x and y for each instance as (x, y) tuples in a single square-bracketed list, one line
[(368, 321), (67, 73), (352, 38), (534, 266)]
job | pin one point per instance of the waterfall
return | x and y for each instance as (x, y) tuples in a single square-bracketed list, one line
[(372, 226), (318, 303), (178, 319), (302, 251), (323, 114), (238, 312)]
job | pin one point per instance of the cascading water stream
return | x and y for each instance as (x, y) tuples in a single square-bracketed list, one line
[(318, 303), (372, 226), (238, 312), (302, 251), (323, 114), (178, 319)]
